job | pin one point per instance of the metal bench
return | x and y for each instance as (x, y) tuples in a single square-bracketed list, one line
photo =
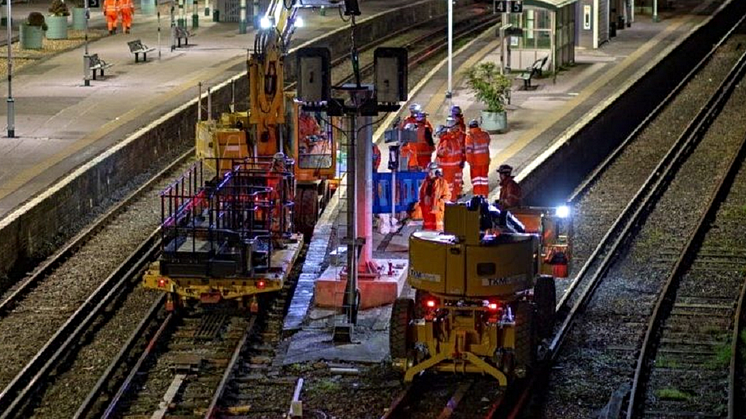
[(137, 48), (180, 33), (98, 64), (534, 70)]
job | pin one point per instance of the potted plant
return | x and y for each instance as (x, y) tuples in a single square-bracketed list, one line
[(78, 12), (32, 31), (57, 21), (492, 89)]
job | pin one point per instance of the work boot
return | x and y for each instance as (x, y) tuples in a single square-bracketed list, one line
[(127, 31), (111, 31)]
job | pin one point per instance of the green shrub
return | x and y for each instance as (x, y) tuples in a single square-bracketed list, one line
[(36, 19), (59, 8), (489, 86)]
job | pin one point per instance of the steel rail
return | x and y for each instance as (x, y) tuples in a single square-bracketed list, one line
[(454, 401), (17, 392), (399, 402), (735, 359), (636, 210), (212, 409), (667, 296), (111, 408), (135, 336), (601, 168), (433, 47), (54, 261), (370, 45)]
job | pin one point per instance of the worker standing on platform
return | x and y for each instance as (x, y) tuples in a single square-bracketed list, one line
[(459, 117), (433, 196), (127, 10), (414, 109), (510, 192), (425, 143), (478, 156), (450, 157), (111, 11)]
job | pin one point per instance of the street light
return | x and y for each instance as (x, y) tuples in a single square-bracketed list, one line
[(449, 93), (86, 57), (11, 104)]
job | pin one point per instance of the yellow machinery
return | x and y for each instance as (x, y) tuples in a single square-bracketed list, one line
[(481, 304)]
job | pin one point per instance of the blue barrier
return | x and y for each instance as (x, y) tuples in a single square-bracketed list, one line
[(407, 191)]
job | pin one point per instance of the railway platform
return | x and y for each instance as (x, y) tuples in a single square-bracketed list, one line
[(540, 121)]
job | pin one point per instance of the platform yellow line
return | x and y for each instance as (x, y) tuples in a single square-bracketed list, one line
[(28, 174), (529, 135)]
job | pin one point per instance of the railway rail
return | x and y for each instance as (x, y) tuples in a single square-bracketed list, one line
[(620, 268), (67, 357)]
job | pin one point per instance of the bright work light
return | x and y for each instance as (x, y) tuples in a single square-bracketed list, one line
[(563, 211), (264, 23)]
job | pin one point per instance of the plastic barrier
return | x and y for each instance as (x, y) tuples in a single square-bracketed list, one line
[(407, 191)]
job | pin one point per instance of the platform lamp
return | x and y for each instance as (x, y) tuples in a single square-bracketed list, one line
[(11, 102)]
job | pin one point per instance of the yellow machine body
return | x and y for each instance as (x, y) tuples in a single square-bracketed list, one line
[(475, 297)]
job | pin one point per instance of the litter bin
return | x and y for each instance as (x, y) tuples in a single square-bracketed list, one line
[(612, 30)]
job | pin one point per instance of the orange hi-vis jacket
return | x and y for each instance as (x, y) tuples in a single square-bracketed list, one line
[(126, 7), (449, 154), (307, 126), (477, 147), (376, 157), (111, 7), (510, 193), (424, 147), (434, 193)]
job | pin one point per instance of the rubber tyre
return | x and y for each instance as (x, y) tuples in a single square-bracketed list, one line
[(307, 213), (525, 346), (400, 335), (545, 299)]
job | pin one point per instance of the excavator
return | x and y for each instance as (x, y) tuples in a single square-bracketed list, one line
[(233, 225)]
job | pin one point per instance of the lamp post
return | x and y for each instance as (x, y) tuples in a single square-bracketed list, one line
[(11, 102), (86, 57), (449, 93), (655, 11)]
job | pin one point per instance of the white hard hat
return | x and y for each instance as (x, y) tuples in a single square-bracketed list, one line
[(415, 107)]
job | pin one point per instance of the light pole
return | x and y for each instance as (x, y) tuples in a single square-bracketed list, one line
[(449, 93), (11, 104), (655, 11), (86, 57)]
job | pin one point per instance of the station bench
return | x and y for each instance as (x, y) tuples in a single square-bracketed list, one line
[(137, 48), (97, 64), (180, 33), (534, 70)]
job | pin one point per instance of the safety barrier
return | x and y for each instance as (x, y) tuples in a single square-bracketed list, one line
[(407, 191)]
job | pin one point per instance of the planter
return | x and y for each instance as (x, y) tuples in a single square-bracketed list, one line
[(494, 121), (57, 27), (30, 36), (147, 7), (78, 18)]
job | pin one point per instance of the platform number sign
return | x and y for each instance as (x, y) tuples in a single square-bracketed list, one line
[(94, 3), (509, 6)]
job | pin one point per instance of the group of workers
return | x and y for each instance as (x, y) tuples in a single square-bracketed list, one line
[(114, 9), (456, 147)]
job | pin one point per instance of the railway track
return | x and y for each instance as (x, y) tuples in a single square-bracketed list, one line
[(94, 335), (605, 309)]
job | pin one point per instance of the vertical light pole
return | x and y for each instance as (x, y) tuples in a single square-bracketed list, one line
[(195, 14), (11, 104), (242, 18), (182, 19), (655, 11), (86, 57), (449, 93), (255, 13)]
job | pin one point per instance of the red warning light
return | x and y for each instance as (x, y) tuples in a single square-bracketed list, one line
[(162, 282), (261, 284), (492, 306), (430, 303)]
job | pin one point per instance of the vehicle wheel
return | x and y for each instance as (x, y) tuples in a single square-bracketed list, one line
[(307, 212), (525, 347), (400, 336), (545, 298)]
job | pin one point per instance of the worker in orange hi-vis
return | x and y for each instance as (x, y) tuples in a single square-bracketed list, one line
[(450, 157), (425, 143), (434, 194), (478, 156), (459, 117), (126, 9), (511, 194), (376, 157), (111, 11), (414, 109)]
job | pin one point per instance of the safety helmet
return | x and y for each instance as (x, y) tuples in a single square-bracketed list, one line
[(433, 167), (441, 129), (419, 116), (455, 110), (279, 156), (505, 168), (415, 108), (473, 123)]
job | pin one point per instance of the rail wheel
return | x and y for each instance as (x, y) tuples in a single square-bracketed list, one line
[(545, 298), (400, 336)]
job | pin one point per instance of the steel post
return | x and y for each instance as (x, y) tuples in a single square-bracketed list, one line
[(242, 18), (364, 188), (11, 102)]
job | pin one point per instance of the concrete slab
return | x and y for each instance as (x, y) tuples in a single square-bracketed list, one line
[(330, 286)]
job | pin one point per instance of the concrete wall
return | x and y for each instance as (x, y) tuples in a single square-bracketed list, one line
[(36, 229), (562, 171)]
